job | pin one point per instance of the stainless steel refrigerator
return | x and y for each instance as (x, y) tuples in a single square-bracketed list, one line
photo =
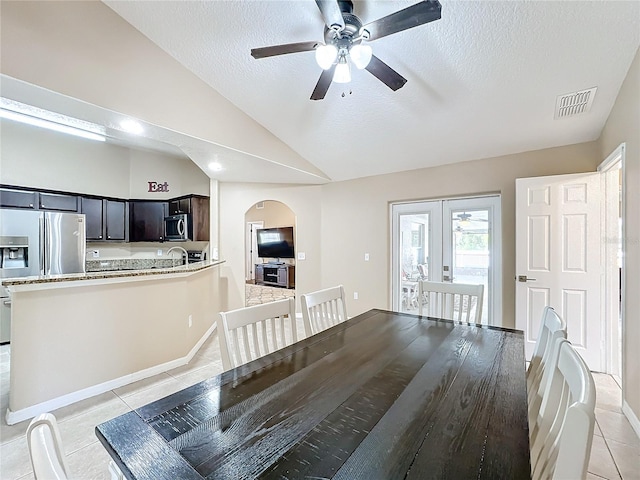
[(38, 243)]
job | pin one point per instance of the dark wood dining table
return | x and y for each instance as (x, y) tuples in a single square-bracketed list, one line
[(384, 395)]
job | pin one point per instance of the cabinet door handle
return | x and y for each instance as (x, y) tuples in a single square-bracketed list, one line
[(100, 236), (108, 236), (31, 205)]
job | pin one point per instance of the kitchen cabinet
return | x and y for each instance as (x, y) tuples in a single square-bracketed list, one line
[(146, 220), (58, 201), (93, 212), (106, 220), (198, 207), (10, 198), (116, 219)]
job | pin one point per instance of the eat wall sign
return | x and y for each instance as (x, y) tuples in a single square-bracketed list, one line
[(158, 187)]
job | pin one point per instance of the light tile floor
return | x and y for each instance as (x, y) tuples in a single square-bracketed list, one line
[(615, 453)]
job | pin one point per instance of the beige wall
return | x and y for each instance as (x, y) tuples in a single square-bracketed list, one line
[(623, 125), (274, 214), (235, 199), (34, 157), (40, 158), (337, 223), (84, 335)]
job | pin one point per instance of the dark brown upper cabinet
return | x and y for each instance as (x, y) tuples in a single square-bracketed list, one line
[(10, 198), (146, 220), (198, 207), (107, 220), (59, 202)]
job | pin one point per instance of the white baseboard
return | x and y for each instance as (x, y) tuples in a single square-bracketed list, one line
[(58, 402), (631, 416)]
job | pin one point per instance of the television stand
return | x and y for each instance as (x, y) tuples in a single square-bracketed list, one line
[(276, 274)]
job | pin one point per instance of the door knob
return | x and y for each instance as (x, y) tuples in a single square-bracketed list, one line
[(523, 278)]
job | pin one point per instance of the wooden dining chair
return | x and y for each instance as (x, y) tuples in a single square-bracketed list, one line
[(562, 434), (251, 332), (323, 309), (451, 301), (552, 327), (45, 449)]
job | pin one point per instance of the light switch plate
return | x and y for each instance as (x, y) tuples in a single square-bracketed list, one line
[(301, 256), (366, 257)]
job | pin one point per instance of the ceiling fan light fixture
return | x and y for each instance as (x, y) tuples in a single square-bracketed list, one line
[(361, 55), (343, 71), (326, 56)]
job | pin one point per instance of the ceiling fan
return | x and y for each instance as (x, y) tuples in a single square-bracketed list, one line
[(345, 38)]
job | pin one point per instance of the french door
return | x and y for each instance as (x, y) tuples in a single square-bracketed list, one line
[(454, 240)]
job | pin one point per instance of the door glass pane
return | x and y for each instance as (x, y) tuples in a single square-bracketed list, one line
[(470, 251), (414, 258)]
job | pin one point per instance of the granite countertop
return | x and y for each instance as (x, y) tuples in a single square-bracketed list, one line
[(97, 275)]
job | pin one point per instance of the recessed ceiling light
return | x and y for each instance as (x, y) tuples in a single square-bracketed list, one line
[(215, 166), (131, 126)]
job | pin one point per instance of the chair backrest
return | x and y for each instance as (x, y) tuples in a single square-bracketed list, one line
[(552, 327), (323, 309), (251, 332), (45, 448), (451, 301), (562, 434)]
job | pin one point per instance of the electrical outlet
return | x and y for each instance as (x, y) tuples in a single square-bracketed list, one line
[(96, 254), (159, 252), (301, 255), (190, 321), (355, 295), (366, 257)]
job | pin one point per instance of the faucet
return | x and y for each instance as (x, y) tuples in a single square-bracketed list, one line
[(186, 255)]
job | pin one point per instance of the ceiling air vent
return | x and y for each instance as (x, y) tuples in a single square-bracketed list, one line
[(575, 103)]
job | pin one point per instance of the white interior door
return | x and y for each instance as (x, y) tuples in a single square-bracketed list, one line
[(447, 240), (558, 254)]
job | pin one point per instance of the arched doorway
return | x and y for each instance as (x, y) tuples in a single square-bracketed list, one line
[(270, 232)]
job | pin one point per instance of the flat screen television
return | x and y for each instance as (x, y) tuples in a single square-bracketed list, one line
[(275, 242)]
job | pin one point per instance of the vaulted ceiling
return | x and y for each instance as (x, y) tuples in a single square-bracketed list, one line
[(482, 81)]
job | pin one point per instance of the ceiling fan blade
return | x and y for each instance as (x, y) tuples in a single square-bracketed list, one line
[(283, 49), (331, 13), (418, 14), (326, 77), (385, 74)]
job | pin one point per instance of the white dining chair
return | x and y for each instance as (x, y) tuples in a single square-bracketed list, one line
[(251, 332), (460, 302), (552, 327), (47, 453), (323, 309), (45, 449), (562, 434)]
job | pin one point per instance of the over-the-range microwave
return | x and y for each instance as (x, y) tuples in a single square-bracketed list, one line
[(178, 227)]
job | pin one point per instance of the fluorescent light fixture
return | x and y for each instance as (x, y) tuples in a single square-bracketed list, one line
[(131, 126), (20, 112), (215, 167)]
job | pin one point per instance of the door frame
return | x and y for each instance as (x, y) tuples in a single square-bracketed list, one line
[(251, 255), (494, 205), (613, 334)]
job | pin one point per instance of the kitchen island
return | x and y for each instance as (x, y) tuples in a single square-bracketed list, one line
[(78, 335)]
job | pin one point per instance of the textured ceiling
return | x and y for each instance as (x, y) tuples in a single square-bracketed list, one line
[(482, 81)]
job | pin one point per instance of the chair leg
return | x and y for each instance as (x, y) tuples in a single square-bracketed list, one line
[(115, 472)]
